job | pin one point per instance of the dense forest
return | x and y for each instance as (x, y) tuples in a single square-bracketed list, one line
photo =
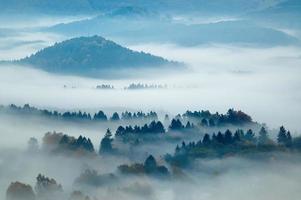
[(93, 57), (239, 143), (214, 145), (133, 143)]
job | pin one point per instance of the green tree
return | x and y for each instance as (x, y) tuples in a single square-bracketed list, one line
[(263, 137), (115, 117), (150, 164), (282, 137), (106, 143), (250, 136)]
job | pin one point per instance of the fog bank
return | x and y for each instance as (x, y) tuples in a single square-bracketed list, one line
[(262, 82)]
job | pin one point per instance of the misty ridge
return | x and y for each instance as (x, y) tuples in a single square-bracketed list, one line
[(138, 99), (93, 122), (241, 32)]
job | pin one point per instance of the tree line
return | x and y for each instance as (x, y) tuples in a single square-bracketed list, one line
[(208, 119), (239, 142), (45, 189), (99, 116), (199, 118), (136, 86)]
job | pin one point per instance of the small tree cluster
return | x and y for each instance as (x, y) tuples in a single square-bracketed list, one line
[(20, 191), (105, 86), (149, 167), (155, 127), (139, 115), (59, 142), (134, 86), (284, 137), (176, 125), (47, 188), (91, 178), (206, 118)]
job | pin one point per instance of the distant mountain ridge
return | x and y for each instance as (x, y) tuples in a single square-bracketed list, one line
[(153, 30), (92, 56), (88, 6), (286, 14)]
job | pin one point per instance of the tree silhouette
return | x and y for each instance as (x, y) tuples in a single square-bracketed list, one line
[(206, 140), (228, 137), (250, 136), (289, 140), (106, 143), (263, 138), (115, 117), (150, 164), (176, 124), (282, 137), (47, 188)]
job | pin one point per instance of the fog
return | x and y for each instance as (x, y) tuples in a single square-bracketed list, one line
[(264, 82), (229, 178)]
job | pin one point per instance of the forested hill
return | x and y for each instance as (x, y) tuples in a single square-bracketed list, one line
[(92, 56)]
